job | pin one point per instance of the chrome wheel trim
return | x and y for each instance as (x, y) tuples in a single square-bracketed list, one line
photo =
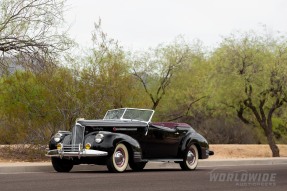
[(119, 157), (192, 157)]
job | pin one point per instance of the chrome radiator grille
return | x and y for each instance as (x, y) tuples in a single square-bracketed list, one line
[(72, 148), (78, 135)]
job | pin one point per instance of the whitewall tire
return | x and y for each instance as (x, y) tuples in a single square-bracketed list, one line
[(190, 159), (119, 160)]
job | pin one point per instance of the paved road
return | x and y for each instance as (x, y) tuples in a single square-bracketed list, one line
[(257, 177)]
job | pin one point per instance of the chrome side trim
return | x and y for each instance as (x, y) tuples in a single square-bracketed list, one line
[(162, 160)]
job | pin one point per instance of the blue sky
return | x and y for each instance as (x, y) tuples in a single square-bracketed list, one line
[(140, 24)]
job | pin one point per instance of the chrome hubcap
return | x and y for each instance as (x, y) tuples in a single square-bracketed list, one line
[(190, 158), (119, 157)]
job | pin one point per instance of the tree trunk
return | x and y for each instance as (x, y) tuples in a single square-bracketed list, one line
[(270, 138)]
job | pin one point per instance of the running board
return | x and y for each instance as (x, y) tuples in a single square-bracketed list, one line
[(162, 160)]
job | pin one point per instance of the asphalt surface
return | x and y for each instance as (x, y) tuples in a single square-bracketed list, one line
[(245, 177), (47, 167)]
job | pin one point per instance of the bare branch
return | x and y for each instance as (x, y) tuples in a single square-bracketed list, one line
[(29, 28), (188, 109)]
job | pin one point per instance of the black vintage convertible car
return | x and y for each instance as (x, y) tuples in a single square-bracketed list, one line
[(125, 137)]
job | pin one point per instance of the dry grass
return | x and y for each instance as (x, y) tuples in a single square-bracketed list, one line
[(226, 151), (22, 153), (28, 153)]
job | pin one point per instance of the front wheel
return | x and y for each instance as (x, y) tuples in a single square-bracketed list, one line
[(190, 159), (119, 160), (62, 165)]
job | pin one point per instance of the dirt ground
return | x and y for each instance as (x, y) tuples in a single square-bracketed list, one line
[(222, 151), (231, 151)]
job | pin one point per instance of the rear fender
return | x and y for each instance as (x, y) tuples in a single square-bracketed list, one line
[(196, 139)]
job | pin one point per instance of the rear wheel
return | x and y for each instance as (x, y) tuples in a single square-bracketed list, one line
[(62, 165), (190, 159), (137, 166), (119, 160)]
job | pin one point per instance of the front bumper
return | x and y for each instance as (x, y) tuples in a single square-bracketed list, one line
[(79, 154)]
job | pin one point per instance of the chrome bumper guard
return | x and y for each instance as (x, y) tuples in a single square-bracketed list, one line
[(209, 152), (75, 151)]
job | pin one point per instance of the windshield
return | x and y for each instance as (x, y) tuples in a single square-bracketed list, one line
[(135, 114), (130, 114), (114, 114)]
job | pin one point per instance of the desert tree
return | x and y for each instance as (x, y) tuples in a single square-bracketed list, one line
[(105, 75), (30, 32), (251, 79), (155, 68), (188, 92)]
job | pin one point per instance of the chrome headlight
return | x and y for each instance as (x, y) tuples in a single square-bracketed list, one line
[(99, 138), (58, 137)]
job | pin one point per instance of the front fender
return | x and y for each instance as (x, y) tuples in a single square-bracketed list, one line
[(112, 139), (65, 139)]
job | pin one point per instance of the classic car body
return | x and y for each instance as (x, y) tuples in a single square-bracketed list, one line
[(127, 136)]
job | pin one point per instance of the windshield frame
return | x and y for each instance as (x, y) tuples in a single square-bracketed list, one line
[(122, 115)]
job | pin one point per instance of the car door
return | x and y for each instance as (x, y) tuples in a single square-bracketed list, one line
[(160, 143)]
